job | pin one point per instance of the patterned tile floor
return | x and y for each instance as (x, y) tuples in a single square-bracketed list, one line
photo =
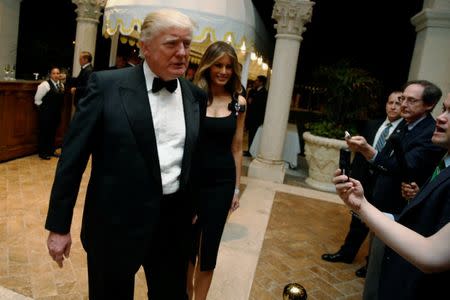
[(299, 231)]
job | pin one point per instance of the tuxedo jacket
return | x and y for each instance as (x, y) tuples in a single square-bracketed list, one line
[(81, 82), (428, 212), (421, 157), (113, 125)]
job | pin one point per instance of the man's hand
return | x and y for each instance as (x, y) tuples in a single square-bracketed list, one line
[(359, 144), (59, 246), (73, 90), (349, 190), (409, 190)]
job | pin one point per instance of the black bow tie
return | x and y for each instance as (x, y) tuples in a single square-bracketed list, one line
[(159, 84)]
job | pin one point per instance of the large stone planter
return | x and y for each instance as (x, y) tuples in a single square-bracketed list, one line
[(322, 156)]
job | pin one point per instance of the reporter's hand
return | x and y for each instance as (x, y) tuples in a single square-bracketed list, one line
[(349, 190), (59, 246), (359, 144), (409, 190)]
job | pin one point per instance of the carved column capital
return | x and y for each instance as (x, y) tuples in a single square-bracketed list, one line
[(431, 18), (89, 10), (291, 16)]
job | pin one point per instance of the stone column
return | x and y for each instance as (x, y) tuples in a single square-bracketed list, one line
[(89, 12), (245, 69), (291, 16), (113, 50), (431, 57), (9, 33)]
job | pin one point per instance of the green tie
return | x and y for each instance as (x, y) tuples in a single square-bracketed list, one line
[(439, 168)]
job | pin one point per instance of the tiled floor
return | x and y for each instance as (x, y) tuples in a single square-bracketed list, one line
[(299, 231)]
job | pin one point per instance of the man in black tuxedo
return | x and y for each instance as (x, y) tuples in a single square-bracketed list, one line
[(49, 99), (257, 101), (376, 133), (141, 126), (80, 82)]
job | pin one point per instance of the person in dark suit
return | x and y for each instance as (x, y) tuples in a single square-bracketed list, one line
[(408, 156), (256, 102), (133, 59), (141, 127), (416, 261), (375, 132), (121, 62), (79, 83), (49, 99)]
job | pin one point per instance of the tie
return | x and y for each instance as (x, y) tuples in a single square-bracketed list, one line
[(439, 168), (59, 87), (382, 139), (159, 84)]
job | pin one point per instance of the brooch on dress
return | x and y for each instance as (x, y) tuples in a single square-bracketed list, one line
[(235, 107)]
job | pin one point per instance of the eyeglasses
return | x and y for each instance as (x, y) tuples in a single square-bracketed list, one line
[(409, 100)]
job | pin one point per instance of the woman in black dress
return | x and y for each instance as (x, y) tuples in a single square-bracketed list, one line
[(220, 160)]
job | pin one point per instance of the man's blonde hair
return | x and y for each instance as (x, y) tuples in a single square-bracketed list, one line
[(164, 19)]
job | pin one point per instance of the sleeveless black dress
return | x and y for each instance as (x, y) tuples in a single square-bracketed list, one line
[(217, 184)]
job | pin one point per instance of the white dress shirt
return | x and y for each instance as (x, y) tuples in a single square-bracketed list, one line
[(170, 131), (42, 90), (383, 126)]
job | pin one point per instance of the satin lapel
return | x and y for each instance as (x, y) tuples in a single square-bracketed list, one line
[(428, 187), (192, 121), (133, 93)]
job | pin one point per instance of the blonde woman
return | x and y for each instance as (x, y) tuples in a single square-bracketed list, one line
[(220, 160)]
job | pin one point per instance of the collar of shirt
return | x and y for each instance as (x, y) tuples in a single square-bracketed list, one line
[(84, 66), (447, 160), (413, 124), (394, 123), (54, 82)]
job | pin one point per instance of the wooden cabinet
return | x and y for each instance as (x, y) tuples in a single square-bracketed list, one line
[(19, 119)]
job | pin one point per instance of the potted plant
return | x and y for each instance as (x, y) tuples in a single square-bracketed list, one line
[(347, 96)]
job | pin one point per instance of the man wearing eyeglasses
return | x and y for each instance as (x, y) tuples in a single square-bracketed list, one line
[(409, 155)]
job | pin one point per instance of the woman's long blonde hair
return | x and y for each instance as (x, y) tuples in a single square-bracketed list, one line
[(214, 52)]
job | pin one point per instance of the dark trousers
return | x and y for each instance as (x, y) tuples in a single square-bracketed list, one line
[(356, 235), (164, 259), (251, 135), (48, 124)]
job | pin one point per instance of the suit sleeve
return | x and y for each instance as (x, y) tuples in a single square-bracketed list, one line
[(82, 84), (195, 170), (77, 147), (420, 158)]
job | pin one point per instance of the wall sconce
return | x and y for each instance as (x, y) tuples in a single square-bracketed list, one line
[(265, 66), (260, 60), (253, 56)]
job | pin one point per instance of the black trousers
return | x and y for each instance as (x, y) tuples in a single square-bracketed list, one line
[(48, 124), (356, 235), (251, 135), (164, 259)]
